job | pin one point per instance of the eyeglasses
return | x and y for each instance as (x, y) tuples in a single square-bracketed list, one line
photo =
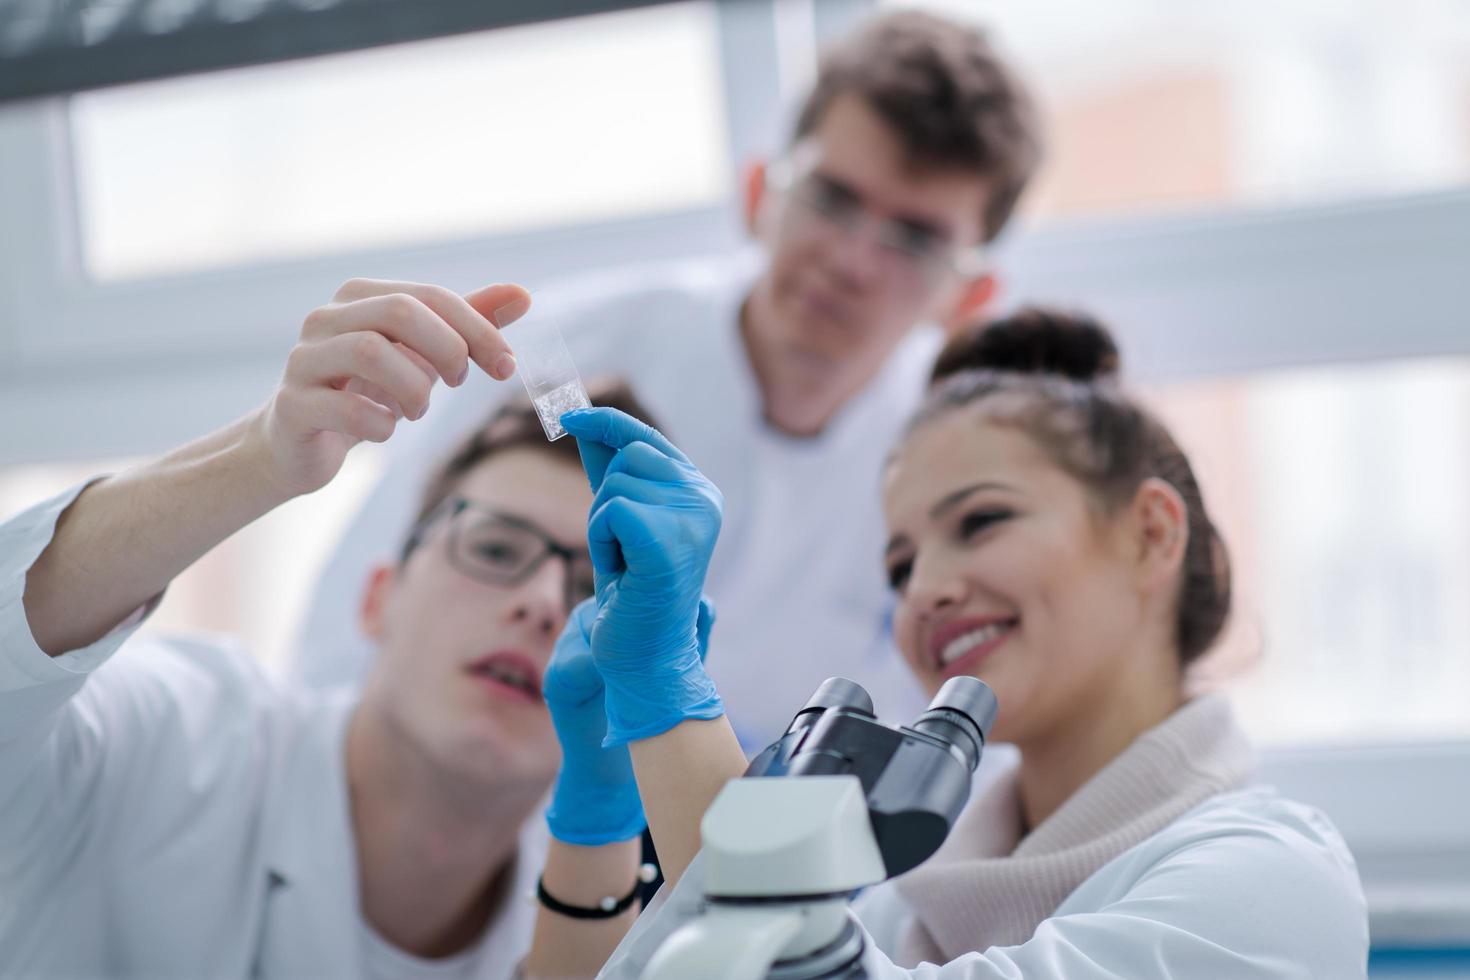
[(914, 245), (502, 549)]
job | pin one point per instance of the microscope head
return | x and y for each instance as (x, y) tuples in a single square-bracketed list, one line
[(839, 802), (916, 778)]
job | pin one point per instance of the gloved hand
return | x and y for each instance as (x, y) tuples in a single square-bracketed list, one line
[(595, 800), (655, 520)]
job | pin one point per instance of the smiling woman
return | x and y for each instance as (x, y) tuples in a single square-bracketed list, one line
[(1048, 537), (1057, 519)]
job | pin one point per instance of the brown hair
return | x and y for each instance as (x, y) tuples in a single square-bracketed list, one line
[(947, 96), (1054, 375), (515, 425)]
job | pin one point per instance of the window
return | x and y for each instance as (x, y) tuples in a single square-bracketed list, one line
[(551, 124), (1344, 496), (1154, 106)]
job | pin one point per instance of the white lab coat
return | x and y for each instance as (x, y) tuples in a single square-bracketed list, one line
[(797, 576), (1245, 886), (172, 813)]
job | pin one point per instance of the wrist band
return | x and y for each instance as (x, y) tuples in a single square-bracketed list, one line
[(606, 909)]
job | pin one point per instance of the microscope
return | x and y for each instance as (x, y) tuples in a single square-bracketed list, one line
[(838, 803)]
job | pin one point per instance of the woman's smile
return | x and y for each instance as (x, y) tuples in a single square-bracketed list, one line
[(958, 646)]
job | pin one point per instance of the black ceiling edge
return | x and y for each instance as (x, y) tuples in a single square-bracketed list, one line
[(62, 63)]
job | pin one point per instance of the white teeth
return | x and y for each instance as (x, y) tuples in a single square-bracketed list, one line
[(507, 674), (961, 645)]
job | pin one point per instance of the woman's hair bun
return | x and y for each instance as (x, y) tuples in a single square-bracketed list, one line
[(1033, 340)]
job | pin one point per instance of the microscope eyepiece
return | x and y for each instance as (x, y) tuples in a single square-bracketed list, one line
[(838, 697), (961, 714), (837, 692)]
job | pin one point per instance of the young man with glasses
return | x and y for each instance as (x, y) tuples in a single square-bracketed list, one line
[(787, 373), (168, 811)]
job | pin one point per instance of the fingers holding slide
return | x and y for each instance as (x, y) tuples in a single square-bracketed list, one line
[(319, 409), (501, 304), (595, 459), (612, 429), (382, 397), (673, 509), (386, 371), (448, 329), (368, 357), (652, 493), (620, 526), (616, 429), (609, 553), (642, 473), (641, 460), (401, 318), (479, 315)]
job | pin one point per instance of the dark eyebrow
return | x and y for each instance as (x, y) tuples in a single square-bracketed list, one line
[(946, 503), (923, 226), (949, 500), (834, 184)]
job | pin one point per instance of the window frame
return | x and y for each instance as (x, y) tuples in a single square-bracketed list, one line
[(1215, 293)]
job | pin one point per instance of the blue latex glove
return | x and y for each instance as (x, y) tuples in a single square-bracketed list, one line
[(595, 800), (655, 520)]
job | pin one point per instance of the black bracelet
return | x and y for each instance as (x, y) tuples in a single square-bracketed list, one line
[(606, 909)]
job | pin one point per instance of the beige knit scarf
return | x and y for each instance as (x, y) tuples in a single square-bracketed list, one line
[(988, 887)]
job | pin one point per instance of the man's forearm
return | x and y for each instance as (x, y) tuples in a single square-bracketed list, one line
[(126, 537), (365, 360)]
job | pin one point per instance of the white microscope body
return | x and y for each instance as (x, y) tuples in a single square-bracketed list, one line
[(818, 853), (840, 802)]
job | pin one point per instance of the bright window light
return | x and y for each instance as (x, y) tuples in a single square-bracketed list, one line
[(553, 124), (1259, 103), (1344, 496)]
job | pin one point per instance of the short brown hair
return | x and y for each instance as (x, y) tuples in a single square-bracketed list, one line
[(1054, 375), (946, 94), (515, 425)]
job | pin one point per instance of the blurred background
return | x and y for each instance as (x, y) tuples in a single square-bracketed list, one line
[(1268, 202)]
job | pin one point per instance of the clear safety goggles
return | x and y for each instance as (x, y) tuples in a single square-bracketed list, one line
[(912, 246)]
